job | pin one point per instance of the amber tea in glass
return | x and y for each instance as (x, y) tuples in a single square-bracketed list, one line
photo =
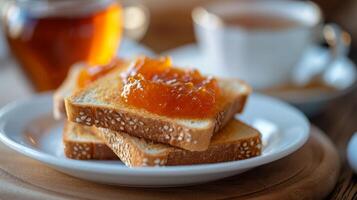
[(47, 37)]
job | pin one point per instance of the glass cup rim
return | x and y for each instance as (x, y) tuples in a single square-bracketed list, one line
[(60, 7)]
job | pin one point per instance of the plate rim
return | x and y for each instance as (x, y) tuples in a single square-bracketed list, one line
[(102, 168)]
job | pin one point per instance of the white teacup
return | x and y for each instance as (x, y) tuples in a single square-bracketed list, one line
[(264, 57)]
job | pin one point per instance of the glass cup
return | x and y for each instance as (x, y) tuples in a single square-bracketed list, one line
[(47, 36)]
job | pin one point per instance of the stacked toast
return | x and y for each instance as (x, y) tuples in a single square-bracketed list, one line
[(100, 125)]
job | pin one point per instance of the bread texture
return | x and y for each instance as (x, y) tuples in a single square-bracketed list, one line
[(82, 143), (236, 141), (101, 105)]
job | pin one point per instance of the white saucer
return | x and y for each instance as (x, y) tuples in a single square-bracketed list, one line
[(130, 48), (342, 75), (28, 127)]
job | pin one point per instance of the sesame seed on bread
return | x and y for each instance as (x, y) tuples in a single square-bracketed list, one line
[(100, 105), (82, 143), (236, 141)]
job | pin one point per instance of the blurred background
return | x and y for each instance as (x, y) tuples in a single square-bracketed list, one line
[(151, 27), (171, 22)]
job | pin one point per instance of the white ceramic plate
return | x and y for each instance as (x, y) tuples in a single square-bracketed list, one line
[(342, 74), (28, 127)]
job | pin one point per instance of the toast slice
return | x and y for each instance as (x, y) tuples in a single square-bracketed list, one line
[(100, 104), (235, 141), (82, 143)]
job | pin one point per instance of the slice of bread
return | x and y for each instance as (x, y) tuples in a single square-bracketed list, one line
[(82, 143), (101, 105), (235, 141)]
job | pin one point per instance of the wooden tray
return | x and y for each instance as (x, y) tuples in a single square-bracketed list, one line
[(309, 173)]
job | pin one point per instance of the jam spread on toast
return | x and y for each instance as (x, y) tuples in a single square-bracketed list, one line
[(158, 87), (90, 74)]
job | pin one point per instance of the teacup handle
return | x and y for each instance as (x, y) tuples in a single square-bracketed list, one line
[(339, 43), (338, 40)]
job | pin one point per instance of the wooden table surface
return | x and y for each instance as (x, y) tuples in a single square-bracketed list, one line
[(339, 121)]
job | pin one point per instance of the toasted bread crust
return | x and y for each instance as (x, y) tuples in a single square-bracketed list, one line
[(81, 150), (236, 106), (244, 149), (88, 151), (167, 132), (126, 149)]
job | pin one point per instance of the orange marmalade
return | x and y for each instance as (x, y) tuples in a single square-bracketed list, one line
[(89, 74), (153, 84)]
